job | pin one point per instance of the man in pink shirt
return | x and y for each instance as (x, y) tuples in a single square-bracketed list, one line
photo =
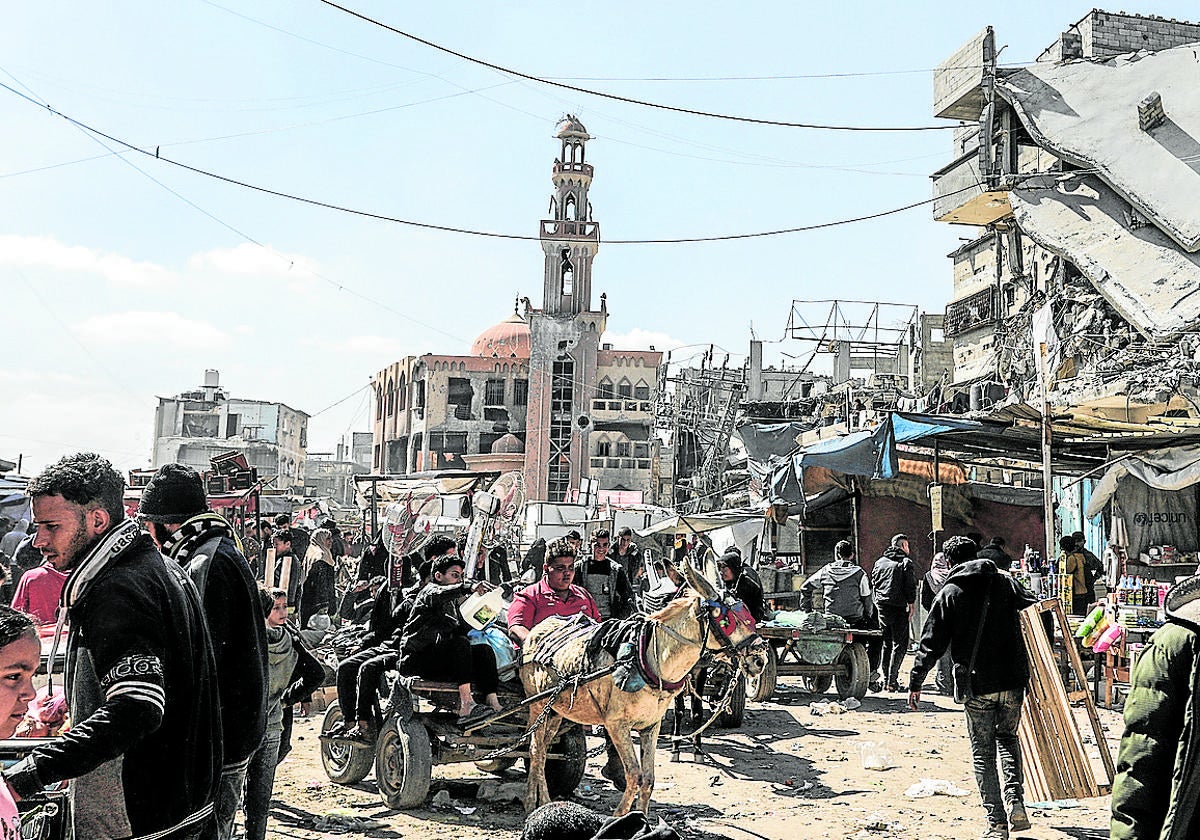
[(554, 594), (38, 593)]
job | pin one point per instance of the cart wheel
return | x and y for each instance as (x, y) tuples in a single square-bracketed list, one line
[(496, 766), (403, 763), (732, 717), (817, 684), (761, 688), (564, 774), (344, 762), (854, 683)]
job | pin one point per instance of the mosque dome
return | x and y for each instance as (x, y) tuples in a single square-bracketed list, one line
[(507, 340), (509, 444), (570, 126)]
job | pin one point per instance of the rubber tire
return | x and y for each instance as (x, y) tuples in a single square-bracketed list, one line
[(496, 766), (854, 684), (345, 763), (563, 775), (817, 684), (761, 688), (403, 763), (732, 717)]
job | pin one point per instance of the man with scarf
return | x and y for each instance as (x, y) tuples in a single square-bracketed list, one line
[(144, 747), (175, 511)]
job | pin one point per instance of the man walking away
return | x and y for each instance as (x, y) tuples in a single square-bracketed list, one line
[(846, 592), (175, 510), (975, 616), (894, 581), (144, 749)]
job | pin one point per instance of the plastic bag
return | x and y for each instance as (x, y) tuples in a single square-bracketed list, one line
[(875, 755), (934, 787)]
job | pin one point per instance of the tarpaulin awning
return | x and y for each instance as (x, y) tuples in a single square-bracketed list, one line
[(389, 488), (1175, 468), (762, 440), (701, 522)]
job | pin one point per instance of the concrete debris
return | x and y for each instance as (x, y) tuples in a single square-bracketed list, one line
[(494, 790), (344, 822)]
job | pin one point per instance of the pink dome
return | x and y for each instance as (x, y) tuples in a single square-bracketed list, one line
[(507, 340)]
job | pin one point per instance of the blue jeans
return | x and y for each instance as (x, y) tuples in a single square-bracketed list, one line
[(992, 726), (260, 781), (229, 796)]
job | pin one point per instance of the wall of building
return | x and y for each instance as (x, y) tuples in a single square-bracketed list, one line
[(1099, 34)]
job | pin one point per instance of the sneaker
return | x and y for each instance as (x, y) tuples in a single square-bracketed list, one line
[(876, 686), (1018, 819)]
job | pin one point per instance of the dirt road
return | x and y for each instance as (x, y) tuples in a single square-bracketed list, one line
[(786, 773)]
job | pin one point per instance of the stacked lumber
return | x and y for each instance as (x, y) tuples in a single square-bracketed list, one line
[(1054, 755)]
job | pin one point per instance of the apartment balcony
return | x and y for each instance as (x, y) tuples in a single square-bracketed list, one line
[(959, 195), (615, 408)]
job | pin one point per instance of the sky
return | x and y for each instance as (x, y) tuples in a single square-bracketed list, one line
[(124, 277)]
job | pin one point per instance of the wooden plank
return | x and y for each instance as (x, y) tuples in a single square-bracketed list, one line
[(1056, 759)]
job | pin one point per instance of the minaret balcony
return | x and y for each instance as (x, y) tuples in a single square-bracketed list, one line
[(572, 168), (563, 228)]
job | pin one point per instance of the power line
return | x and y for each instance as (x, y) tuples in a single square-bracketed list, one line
[(430, 225), (626, 99)]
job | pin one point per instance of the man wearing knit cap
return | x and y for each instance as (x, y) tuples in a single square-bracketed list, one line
[(175, 511), (740, 585)]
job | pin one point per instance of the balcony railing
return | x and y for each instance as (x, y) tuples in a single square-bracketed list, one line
[(622, 405), (960, 197)]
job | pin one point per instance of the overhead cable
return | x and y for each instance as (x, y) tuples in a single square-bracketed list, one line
[(626, 99), (156, 154)]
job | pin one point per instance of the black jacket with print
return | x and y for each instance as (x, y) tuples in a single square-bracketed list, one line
[(144, 747)]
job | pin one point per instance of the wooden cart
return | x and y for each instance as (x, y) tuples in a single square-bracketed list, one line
[(849, 668)]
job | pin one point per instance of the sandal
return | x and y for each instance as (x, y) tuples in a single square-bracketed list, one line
[(477, 713)]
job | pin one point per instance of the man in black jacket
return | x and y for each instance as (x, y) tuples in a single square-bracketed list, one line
[(975, 616), (434, 644), (144, 748), (604, 579), (894, 584), (175, 511)]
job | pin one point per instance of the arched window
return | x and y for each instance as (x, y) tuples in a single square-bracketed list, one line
[(603, 447), (641, 391), (378, 402), (568, 273), (605, 389), (402, 393), (625, 389), (391, 396), (570, 211)]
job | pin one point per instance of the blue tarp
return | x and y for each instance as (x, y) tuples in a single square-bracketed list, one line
[(869, 453)]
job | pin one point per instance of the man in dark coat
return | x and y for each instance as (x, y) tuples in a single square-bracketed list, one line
[(978, 602), (175, 511), (894, 585), (144, 748)]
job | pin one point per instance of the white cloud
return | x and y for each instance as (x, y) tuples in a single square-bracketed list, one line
[(639, 339), (253, 260), (166, 329), (46, 252)]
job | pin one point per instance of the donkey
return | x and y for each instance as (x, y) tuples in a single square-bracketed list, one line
[(671, 643)]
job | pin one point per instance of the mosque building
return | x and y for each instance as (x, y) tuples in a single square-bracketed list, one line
[(539, 391)]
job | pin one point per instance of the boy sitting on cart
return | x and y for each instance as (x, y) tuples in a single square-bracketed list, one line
[(434, 643)]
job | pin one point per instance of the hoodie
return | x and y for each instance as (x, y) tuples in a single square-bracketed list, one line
[(1001, 663), (894, 580)]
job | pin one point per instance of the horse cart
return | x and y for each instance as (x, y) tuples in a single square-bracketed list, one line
[(420, 730), (820, 657)]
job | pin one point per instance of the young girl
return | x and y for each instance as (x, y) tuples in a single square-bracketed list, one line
[(293, 673), (20, 654)]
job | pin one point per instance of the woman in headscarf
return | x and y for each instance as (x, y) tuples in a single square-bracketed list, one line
[(931, 585)]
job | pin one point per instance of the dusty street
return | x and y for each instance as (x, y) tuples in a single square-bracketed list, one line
[(786, 773)]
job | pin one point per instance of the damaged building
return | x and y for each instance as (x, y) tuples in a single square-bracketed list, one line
[(540, 391), (1078, 175)]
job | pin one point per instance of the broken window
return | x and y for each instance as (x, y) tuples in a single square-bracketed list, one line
[(606, 389), (493, 392), (569, 208), (603, 448), (641, 391), (623, 449), (391, 397), (568, 273), (231, 425), (625, 390), (459, 395), (641, 450), (520, 392)]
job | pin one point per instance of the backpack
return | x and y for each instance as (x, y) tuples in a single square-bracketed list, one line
[(1093, 568)]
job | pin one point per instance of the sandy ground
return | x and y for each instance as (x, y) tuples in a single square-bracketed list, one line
[(785, 773)]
